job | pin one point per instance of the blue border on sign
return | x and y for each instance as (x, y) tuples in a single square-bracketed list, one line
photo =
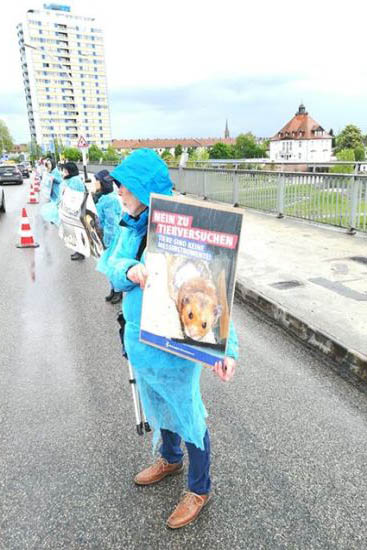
[(179, 348)]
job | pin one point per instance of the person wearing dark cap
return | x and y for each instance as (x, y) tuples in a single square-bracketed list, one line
[(109, 210), (72, 180)]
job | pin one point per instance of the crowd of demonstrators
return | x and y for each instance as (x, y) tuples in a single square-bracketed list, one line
[(169, 385)]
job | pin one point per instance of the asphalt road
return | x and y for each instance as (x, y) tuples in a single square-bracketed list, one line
[(289, 436)]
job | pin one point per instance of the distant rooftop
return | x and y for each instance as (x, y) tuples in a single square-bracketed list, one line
[(301, 126), (169, 143), (56, 7)]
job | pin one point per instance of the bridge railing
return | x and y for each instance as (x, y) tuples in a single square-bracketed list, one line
[(334, 199)]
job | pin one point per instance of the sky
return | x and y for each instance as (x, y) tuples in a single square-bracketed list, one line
[(180, 69)]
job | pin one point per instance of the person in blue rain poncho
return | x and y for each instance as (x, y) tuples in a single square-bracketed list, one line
[(56, 180), (169, 386), (109, 212), (69, 178)]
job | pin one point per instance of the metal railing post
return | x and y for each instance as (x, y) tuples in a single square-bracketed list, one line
[(353, 203), (280, 197), (235, 189), (179, 178), (204, 185), (181, 173)]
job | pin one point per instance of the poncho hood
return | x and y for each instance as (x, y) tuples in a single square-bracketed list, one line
[(143, 172)]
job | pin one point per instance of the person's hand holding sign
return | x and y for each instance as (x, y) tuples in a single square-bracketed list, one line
[(138, 274), (225, 369)]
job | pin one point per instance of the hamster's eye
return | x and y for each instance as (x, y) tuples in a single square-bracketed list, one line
[(191, 316), (203, 325)]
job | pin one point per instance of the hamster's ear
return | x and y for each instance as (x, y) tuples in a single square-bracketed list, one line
[(217, 312)]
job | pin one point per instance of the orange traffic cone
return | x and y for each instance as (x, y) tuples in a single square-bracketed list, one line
[(26, 235), (33, 199)]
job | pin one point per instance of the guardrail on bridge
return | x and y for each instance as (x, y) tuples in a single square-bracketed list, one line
[(334, 199)]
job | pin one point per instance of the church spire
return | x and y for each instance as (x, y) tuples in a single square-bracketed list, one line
[(226, 131)]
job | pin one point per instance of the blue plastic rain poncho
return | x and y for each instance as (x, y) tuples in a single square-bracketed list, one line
[(50, 210), (169, 385), (109, 212), (56, 182)]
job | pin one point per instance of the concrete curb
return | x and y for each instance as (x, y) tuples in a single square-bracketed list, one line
[(349, 363)]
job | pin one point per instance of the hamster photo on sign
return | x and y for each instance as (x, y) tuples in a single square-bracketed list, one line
[(191, 259)]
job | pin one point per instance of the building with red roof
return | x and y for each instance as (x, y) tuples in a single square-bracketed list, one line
[(302, 139), (160, 145)]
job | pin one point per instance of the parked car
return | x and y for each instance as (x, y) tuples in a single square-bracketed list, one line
[(2, 201), (10, 174), (24, 169)]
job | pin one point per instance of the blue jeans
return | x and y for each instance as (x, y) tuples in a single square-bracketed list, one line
[(199, 461)]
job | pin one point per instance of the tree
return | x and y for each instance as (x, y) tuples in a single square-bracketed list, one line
[(178, 150), (59, 149), (94, 153), (199, 154), (221, 151), (111, 155), (344, 154), (167, 156), (35, 151), (359, 153), (6, 141), (349, 138), (246, 147), (333, 138), (72, 154)]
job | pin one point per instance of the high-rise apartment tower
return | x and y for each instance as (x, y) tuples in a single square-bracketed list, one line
[(64, 74)]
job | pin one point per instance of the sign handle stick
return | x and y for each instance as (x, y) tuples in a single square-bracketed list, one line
[(137, 410), (84, 153)]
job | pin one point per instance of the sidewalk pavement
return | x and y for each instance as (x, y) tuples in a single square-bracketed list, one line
[(310, 279)]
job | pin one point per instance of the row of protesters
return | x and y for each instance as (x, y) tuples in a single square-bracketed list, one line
[(169, 385), (69, 177), (108, 204), (71, 180)]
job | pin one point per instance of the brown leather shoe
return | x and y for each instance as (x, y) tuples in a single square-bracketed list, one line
[(187, 510), (158, 471)]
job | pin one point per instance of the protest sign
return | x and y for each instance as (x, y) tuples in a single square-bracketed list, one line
[(79, 227), (46, 185), (191, 259)]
